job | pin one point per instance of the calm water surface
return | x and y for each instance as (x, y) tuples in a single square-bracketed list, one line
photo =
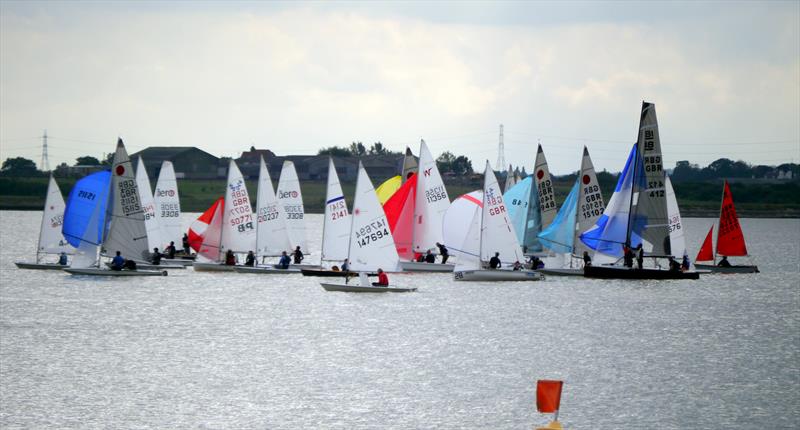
[(195, 350)]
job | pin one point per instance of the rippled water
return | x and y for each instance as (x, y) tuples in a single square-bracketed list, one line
[(219, 350)]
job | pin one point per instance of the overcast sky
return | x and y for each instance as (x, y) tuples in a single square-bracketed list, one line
[(295, 77)]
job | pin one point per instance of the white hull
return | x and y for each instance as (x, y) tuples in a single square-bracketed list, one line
[(108, 272), (148, 266), (177, 261), (497, 275), (413, 266), (212, 267), (562, 272), (267, 270), (40, 266), (363, 289)]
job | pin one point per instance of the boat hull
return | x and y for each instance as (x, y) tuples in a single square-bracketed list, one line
[(176, 261), (561, 272), (266, 270), (616, 272), (496, 275), (40, 266), (148, 266), (413, 266), (364, 289), (212, 267), (733, 269), (92, 271), (331, 273)]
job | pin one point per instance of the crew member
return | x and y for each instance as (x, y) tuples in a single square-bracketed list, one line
[(494, 262), (383, 280)]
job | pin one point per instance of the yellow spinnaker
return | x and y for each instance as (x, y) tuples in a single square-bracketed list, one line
[(386, 189)]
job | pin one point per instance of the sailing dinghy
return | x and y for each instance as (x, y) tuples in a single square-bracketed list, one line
[(230, 226), (580, 210), (637, 214), (51, 240), (365, 286), (490, 232), (371, 244), (730, 240), (126, 231)]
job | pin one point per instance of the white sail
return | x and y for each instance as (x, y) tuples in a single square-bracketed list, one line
[(205, 233), (371, 243), (511, 179), (51, 240), (336, 227), (168, 206), (544, 186), (409, 164), (651, 204), (151, 219), (291, 198), (497, 233), (677, 241), (461, 230), (431, 203), (126, 232), (273, 235), (238, 226), (590, 203)]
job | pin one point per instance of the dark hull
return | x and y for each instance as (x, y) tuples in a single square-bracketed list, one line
[(331, 273), (609, 272), (733, 269)]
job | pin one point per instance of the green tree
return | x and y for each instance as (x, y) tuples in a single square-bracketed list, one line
[(461, 166), (377, 148), (358, 149), (19, 166), (335, 151), (87, 160), (445, 162)]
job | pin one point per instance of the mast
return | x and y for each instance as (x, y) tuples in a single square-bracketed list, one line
[(719, 220)]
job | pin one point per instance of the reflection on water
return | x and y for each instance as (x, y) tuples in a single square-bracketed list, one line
[(225, 350)]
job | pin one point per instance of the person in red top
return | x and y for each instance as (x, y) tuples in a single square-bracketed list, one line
[(383, 280)]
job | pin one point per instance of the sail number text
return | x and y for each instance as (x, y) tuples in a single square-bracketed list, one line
[(129, 196), (293, 211), (435, 194), (546, 198), (337, 209), (371, 232)]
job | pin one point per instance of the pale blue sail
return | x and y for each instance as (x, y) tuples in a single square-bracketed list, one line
[(522, 202), (85, 212), (611, 231), (559, 236)]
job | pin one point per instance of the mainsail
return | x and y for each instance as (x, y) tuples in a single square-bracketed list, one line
[(431, 203), (522, 201), (168, 205), (496, 233), (676, 236), (336, 227), (238, 225), (291, 198), (409, 164), (457, 223), (544, 188), (151, 216), (730, 239), (371, 243), (126, 229), (560, 235), (51, 239), (387, 189), (272, 236)]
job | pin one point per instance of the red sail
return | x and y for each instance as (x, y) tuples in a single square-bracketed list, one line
[(707, 250), (206, 225), (399, 211), (548, 396), (730, 240)]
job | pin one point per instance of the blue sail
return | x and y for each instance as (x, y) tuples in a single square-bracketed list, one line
[(610, 232), (559, 236), (84, 216), (522, 202)]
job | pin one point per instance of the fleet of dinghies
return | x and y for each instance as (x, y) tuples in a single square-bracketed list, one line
[(390, 228)]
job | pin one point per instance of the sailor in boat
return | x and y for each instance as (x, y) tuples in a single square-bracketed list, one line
[(628, 257), (186, 244), (685, 263), (517, 265), (250, 260), (298, 255), (118, 262), (230, 258), (639, 256), (345, 265), (62, 258), (129, 264), (587, 260), (155, 259), (724, 262), (494, 262), (674, 266), (283, 263), (420, 258), (429, 257), (443, 252), (170, 250), (383, 280)]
